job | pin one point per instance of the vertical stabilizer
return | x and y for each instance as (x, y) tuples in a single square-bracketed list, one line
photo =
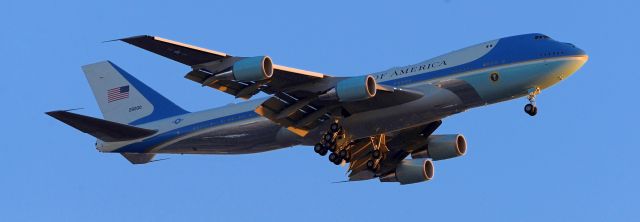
[(124, 99)]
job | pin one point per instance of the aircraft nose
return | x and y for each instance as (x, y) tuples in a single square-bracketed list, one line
[(580, 52), (575, 51), (578, 57)]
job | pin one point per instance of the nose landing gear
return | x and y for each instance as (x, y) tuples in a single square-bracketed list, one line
[(531, 108)]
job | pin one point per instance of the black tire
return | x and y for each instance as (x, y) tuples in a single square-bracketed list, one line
[(343, 153), (534, 112), (337, 161), (327, 137), (324, 151), (332, 147), (371, 164), (375, 154), (333, 157), (334, 127), (529, 108), (317, 148)]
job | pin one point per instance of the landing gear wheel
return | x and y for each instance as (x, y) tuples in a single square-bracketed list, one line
[(528, 108), (375, 154), (323, 152), (334, 127), (531, 109), (327, 137), (332, 147), (318, 148), (535, 111), (371, 164), (342, 153), (333, 157)]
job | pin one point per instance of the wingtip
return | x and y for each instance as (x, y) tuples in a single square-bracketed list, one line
[(112, 40), (343, 181), (52, 113)]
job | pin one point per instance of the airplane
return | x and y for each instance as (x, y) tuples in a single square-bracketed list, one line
[(381, 124)]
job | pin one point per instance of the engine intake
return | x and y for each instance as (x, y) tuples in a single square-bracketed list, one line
[(440, 147), (352, 89), (411, 171)]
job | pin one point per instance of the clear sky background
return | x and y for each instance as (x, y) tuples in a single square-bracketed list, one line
[(577, 160)]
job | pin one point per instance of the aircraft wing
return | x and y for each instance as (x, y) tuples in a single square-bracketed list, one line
[(206, 62), (296, 95)]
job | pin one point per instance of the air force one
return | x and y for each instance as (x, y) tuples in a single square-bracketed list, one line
[(380, 124)]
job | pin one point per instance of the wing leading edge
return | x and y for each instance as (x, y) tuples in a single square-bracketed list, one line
[(205, 62)]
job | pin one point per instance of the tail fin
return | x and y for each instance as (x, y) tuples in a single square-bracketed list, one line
[(124, 99)]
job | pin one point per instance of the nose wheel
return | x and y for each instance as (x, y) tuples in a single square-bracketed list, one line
[(531, 108)]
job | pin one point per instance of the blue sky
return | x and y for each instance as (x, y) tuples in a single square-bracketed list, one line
[(574, 161)]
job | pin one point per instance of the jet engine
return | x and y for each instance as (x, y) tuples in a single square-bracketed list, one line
[(440, 147), (411, 171), (247, 69), (352, 89)]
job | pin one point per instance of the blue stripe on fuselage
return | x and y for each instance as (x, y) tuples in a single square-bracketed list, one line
[(149, 143), (508, 50)]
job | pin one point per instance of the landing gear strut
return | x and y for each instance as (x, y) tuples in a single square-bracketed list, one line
[(531, 108)]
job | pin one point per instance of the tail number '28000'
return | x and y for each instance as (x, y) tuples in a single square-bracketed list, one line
[(135, 108)]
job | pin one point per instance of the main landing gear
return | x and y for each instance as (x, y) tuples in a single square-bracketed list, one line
[(368, 152), (374, 162), (331, 141), (531, 108)]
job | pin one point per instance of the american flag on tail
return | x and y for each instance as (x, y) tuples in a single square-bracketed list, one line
[(118, 93)]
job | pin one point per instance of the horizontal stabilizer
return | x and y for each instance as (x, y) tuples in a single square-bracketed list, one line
[(102, 129)]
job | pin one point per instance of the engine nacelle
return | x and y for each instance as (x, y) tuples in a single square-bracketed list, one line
[(244, 70), (440, 147), (253, 69), (411, 171), (352, 89)]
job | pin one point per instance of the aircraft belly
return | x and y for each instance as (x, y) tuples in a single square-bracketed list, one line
[(437, 103), (258, 136)]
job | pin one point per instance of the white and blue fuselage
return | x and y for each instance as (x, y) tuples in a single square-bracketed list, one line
[(478, 75)]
